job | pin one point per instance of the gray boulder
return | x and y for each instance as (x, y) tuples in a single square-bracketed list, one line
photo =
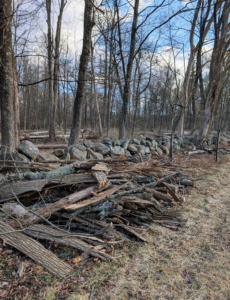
[(164, 149), (148, 143), (141, 149), (159, 151), (76, 151), (176, 147), (124, 143), (98, 154), (166, 142), (128, 153), (132, 148), (154, 144), (46, 156), (89, 144), (108, 141), (147, 150), (117, 150), (29, 149), (101, 148), (77, 154), (135, 142), (149, 139), (143, 142), (117, 143)]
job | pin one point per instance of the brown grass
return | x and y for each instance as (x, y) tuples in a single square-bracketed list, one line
[(193, 263)]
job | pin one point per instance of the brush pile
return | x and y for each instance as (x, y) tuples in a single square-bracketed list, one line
[(89, 205)]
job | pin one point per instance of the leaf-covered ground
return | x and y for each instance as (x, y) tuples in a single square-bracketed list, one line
[(193, 263)]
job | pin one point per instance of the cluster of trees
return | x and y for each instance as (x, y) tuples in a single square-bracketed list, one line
[(123, 78)]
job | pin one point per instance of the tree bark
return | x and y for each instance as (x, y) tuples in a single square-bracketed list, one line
[(82, 75), (8, 88), (34, 250), (126, 90)]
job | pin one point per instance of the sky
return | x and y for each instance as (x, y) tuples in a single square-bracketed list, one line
[(72, 29)]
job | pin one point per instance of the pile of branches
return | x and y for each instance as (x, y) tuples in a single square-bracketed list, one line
[(88, 205)]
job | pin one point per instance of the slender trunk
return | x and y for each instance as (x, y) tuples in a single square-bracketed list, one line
[(126, 90), (95, 94)]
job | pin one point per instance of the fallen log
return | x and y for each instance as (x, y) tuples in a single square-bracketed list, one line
[(62, 171), (47, 233), (34, 250), (83, 205), (47, 211), (9, 191)]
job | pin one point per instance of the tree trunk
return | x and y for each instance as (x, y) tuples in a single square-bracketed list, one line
[(95, 94), (52, 108), (56, 61), (82, 75), (126, 90), (8, 88), (34, 250)]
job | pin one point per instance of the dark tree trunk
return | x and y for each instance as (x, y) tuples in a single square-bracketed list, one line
[(126, 90), (84, 60), (8, 86)]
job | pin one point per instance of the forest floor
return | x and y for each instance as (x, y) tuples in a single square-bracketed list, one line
[(192, 263)]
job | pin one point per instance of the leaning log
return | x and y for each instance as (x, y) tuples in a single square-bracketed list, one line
[(34, 250)]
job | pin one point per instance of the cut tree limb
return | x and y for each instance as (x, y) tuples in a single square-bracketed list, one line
[(34, 250), (94, 200), (54, 235), (140, 188), (47, 211)]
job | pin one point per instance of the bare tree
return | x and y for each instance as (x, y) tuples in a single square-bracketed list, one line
[(82, 75), (53, 50), (219, 65), (8, 82)]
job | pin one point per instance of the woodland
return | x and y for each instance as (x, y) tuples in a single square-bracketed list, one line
[(142, 65), (149, 79)]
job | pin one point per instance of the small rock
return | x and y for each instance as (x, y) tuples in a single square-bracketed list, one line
[(165, 150), (149, 139), (143, 142), (58, 152)]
